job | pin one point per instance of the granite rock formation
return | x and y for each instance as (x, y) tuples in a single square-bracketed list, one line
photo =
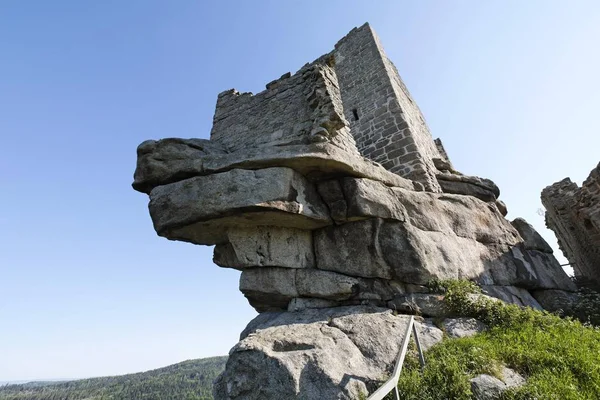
[(346, 353), (328, 193), (573, 213)]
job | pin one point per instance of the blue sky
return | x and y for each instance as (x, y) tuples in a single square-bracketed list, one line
[(88, 289)]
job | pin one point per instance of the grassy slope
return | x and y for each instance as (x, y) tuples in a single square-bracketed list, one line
[(560, 357), (188, 380)]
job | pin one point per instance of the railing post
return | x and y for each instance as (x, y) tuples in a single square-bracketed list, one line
[(392, 383), (419, 349)]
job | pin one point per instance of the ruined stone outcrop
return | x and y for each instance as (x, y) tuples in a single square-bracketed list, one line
[(573, 213), (329, 194)]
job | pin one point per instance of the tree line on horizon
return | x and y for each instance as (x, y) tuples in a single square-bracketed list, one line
[(188, 380)]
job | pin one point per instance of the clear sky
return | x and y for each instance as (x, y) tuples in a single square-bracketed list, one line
[(86, 286)]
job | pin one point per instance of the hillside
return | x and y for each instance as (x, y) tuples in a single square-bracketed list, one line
[(188, 380)]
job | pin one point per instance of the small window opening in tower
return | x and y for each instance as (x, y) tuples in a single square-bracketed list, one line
[(588, 224), (355, 113)]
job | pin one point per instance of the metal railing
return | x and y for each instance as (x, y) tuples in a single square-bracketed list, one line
[(392, 383)]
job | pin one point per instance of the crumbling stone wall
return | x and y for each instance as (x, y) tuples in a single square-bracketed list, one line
[(368, 110), (387, 125), (294, 109), (573, 213)]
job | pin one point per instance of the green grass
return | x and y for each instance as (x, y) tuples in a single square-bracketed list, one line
[(559, 357)]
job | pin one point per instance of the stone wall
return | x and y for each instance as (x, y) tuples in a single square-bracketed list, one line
[(573, 213), (353, 95), (387, 126), (294, 109)]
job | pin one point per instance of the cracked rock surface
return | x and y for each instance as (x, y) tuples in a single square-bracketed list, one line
[(331, 353)]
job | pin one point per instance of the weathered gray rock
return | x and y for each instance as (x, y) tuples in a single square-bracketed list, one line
[(317, 160), (336, 353), (512, 295), (501, 206), (350, 249), (463, 216), (487, 387), (376, 248), (271, 288), (302, 303), (512, 378), (483, 189), (368, 198), (430, 305), (201, 209), (266, 246), (531, 238), (332, 194), (537, 270), (463, 327), (170, 160), (303, 188), (325, 284), (429, 334)]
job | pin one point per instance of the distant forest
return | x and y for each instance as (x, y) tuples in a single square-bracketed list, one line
[(188, 380)]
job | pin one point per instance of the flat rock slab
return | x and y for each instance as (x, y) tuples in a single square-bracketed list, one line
[(333, 353), (160, 162), (201, 209), (170, 160)]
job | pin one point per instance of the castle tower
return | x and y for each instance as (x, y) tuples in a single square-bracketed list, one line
[(356, 94), (384, 119)]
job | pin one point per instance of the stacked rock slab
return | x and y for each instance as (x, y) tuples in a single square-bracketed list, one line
[(329, 194), (573, 213)]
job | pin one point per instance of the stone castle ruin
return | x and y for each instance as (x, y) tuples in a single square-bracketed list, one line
[(329, 194), (573, 213)]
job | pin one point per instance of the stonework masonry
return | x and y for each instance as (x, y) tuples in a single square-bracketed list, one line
[(573, 213), (361, 88)]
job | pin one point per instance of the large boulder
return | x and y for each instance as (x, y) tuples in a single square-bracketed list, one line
[(273, 288), (513, 295), (487, 387), (531, 238), (463, 327), (170, 160), (334, 353), (481, 188), (201, 209), (266, 246)]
